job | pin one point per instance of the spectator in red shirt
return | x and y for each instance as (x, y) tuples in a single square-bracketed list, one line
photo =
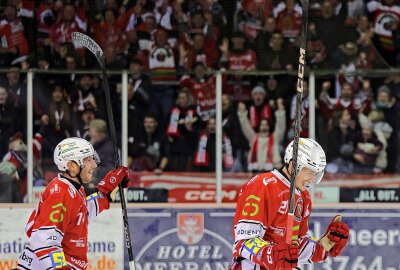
[(289, 20), (108, 32), (12, 32), (61, 32), (202, 89), (238, 57)]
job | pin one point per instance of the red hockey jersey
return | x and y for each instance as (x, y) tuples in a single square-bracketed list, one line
[(60, 222), (261, 211)]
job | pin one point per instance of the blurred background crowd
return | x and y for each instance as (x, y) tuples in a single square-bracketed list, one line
[(170, 49)]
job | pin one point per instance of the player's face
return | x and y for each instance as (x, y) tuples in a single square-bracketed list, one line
[(89, 165), (304, 178)]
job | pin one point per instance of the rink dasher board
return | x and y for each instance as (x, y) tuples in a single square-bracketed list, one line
[(190, 237)]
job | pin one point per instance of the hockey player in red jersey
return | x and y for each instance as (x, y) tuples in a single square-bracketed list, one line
[(58, 227), (261, 217)]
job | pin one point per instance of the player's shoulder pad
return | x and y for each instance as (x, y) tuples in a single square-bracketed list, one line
[(263, 179), (59, 187)]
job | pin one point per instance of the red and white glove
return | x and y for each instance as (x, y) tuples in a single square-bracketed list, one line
[(284, 256), (112, 179), (337, 235)]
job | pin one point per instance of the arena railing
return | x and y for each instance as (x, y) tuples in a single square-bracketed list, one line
[(311, 74)]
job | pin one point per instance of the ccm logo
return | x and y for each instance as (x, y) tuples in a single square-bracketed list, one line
[(300, 73), (208, 195), (269, 257)]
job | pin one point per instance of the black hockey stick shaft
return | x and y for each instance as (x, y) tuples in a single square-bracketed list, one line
[(91, 45), (299, 94)]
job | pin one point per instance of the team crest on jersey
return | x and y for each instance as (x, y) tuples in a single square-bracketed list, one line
[(298, 210), (190, 227)]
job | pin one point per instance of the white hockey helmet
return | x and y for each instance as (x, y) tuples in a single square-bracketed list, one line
[(310, 155), (73, 149)]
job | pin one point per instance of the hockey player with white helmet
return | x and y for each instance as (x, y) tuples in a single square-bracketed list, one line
[(58, 227), (262, 211)]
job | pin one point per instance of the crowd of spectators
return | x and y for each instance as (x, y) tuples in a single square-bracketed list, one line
[(169, 47)]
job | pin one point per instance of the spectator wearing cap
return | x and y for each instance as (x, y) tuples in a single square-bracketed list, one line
[(57, 121), (12, 32), (259, 107), (265, 144), (7, 120), (98, 134), (149, 151)]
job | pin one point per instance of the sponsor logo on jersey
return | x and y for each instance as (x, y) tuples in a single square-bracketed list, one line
[(298, 210), (80, 263), (113, 179), (55, 189), (79, 242), (190, 227), (72, 192), (26, 258), (278, 230), (57, 259), (269, 180), (247, 232)]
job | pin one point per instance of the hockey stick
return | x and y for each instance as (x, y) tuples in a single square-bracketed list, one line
[(300, 79), (91, 45)]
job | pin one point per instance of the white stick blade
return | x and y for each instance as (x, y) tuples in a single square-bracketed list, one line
[(85, 41)]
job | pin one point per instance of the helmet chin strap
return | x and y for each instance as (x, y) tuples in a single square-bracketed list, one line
[(77, 176)]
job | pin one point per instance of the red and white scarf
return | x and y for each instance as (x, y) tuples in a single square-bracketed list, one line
[(255, 117), (253, 162), (173, 125), (172, 129), (201, 157)]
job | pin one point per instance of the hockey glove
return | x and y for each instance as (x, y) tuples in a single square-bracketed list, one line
[(269, 255), (109, 185), (336, 237)]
